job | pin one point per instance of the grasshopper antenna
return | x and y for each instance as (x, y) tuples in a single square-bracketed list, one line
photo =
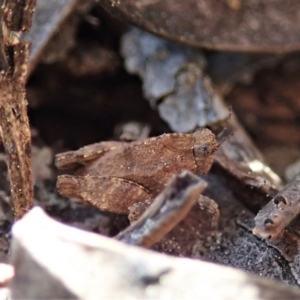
[(225, 133)]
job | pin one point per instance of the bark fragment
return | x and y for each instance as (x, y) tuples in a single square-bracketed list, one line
[(168, 209), (273, 218), (14, 125)]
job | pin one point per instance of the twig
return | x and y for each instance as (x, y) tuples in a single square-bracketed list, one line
[(16, 16), (167, 210)]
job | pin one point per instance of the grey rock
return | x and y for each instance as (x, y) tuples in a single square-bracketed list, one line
[(173, 80)]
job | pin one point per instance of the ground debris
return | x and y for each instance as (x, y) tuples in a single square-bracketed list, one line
[(82, 95), (288, 246), (61, 253), (212, 232)]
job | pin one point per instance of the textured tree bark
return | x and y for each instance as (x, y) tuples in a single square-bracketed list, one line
[(14, 124)]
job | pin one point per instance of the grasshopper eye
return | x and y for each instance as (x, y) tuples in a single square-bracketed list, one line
[(206, 149)]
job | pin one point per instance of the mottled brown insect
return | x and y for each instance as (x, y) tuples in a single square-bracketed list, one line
[(117, 175)]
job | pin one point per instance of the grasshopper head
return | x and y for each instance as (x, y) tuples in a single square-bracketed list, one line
[(205, 146)]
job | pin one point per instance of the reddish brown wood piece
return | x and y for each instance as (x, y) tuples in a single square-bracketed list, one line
[(272, 219)]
